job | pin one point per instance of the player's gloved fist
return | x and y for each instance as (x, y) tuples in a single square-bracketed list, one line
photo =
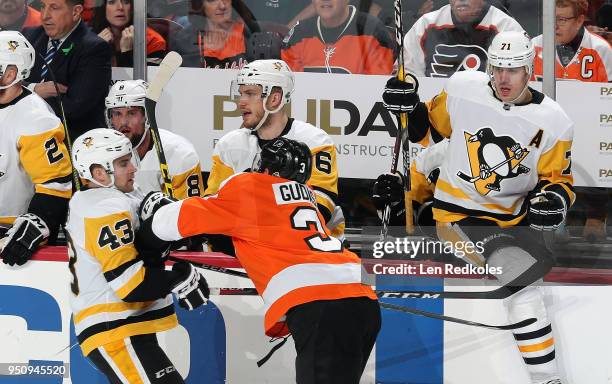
[(191, 289), (388, 189), (22, 240), (151, 203), (546, 211), (401, 96)]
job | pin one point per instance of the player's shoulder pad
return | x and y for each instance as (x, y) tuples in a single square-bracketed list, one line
[(309, 134), (180, 153), (235, 146), (34, 116), (100, 202), (559, 124), (231, 181)]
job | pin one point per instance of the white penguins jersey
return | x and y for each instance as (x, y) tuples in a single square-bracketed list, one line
[(107, 273), (497, 153), (236, 151), (183, 165), (33, 157)]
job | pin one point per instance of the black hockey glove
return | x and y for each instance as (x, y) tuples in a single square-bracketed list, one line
[(23, 239), (400, 96), (388, 189), (546, 211), (191, 289), (151, 203)]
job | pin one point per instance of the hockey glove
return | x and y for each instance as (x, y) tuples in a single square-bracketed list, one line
[(151, 203), (400, 96), (23, 239), (191, 289), (546, 211), (388, 190)]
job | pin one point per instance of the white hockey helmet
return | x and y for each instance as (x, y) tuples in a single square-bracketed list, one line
[(268, 74), (126, 93), (100, 146), (511, 49), (15, 50)]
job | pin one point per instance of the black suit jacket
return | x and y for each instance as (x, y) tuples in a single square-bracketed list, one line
[(83, 64)]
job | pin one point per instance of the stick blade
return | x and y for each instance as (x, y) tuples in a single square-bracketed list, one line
[(167, 67)]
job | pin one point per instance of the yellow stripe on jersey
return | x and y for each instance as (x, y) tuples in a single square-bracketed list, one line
[(110, 239), (118, 353), (447, 188), (109, 307), (445, 216), (188, 184), (44, 156), (454, 234), (131, 284), (140, 328), (555, 166), (325, 170), (421, 190), (218, 173), (53, 192), (7, 220), (438, 114)]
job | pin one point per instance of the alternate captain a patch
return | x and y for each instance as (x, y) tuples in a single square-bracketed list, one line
[(492, 160)]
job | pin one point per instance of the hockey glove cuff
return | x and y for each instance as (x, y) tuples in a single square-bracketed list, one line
[(546, 211), (23, 239), (151, 203), (191, 289)]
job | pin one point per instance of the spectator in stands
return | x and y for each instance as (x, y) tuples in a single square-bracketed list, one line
[(80, 60), (283, 12), (604, 22), (340, 39), (214, 38), (454, 38), (15, 15), (581, 55), (113, 22)]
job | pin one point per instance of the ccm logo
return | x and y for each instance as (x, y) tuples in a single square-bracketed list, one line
[(164, 371)]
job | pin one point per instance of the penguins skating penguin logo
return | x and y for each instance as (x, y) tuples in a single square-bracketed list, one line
[(492, 159)]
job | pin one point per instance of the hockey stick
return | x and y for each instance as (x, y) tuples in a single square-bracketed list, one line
[(418, 312), (167, 67), (209, 267), (402, 125), (67, 141), (469, 179)]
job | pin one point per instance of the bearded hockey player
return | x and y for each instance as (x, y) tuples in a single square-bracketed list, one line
[(120, 297), (506, 168), (35, 170), (125, 112), (263, 87)]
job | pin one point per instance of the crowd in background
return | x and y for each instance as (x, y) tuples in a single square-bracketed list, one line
[(328, 36)]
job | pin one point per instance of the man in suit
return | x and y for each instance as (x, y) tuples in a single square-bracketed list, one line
[(80, 60)]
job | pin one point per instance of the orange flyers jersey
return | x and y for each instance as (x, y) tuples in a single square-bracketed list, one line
[(33, 157), (496, 155), (279, 237), (155, 41), (32, 19), (363, 47), (592, 62)]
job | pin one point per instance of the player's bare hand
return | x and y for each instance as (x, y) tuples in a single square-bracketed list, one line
[(126, 43), (47, 89), (106, 35)]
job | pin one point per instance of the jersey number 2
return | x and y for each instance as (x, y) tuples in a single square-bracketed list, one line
[(305, 217)]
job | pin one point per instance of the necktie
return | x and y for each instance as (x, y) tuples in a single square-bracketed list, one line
[(51, 51)]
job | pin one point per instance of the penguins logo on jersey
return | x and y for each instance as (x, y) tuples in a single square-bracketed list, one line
[(88, 141), (492, 159), (449, 59)]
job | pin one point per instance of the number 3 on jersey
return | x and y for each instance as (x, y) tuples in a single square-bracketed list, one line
[(305, 217)]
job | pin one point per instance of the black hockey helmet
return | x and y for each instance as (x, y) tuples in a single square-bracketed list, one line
[(285, 158)]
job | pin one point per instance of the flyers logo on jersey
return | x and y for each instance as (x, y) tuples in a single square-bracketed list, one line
[(449, 59), (492, 159)]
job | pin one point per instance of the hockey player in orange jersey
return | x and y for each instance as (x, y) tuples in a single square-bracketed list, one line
[(303, 274)]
